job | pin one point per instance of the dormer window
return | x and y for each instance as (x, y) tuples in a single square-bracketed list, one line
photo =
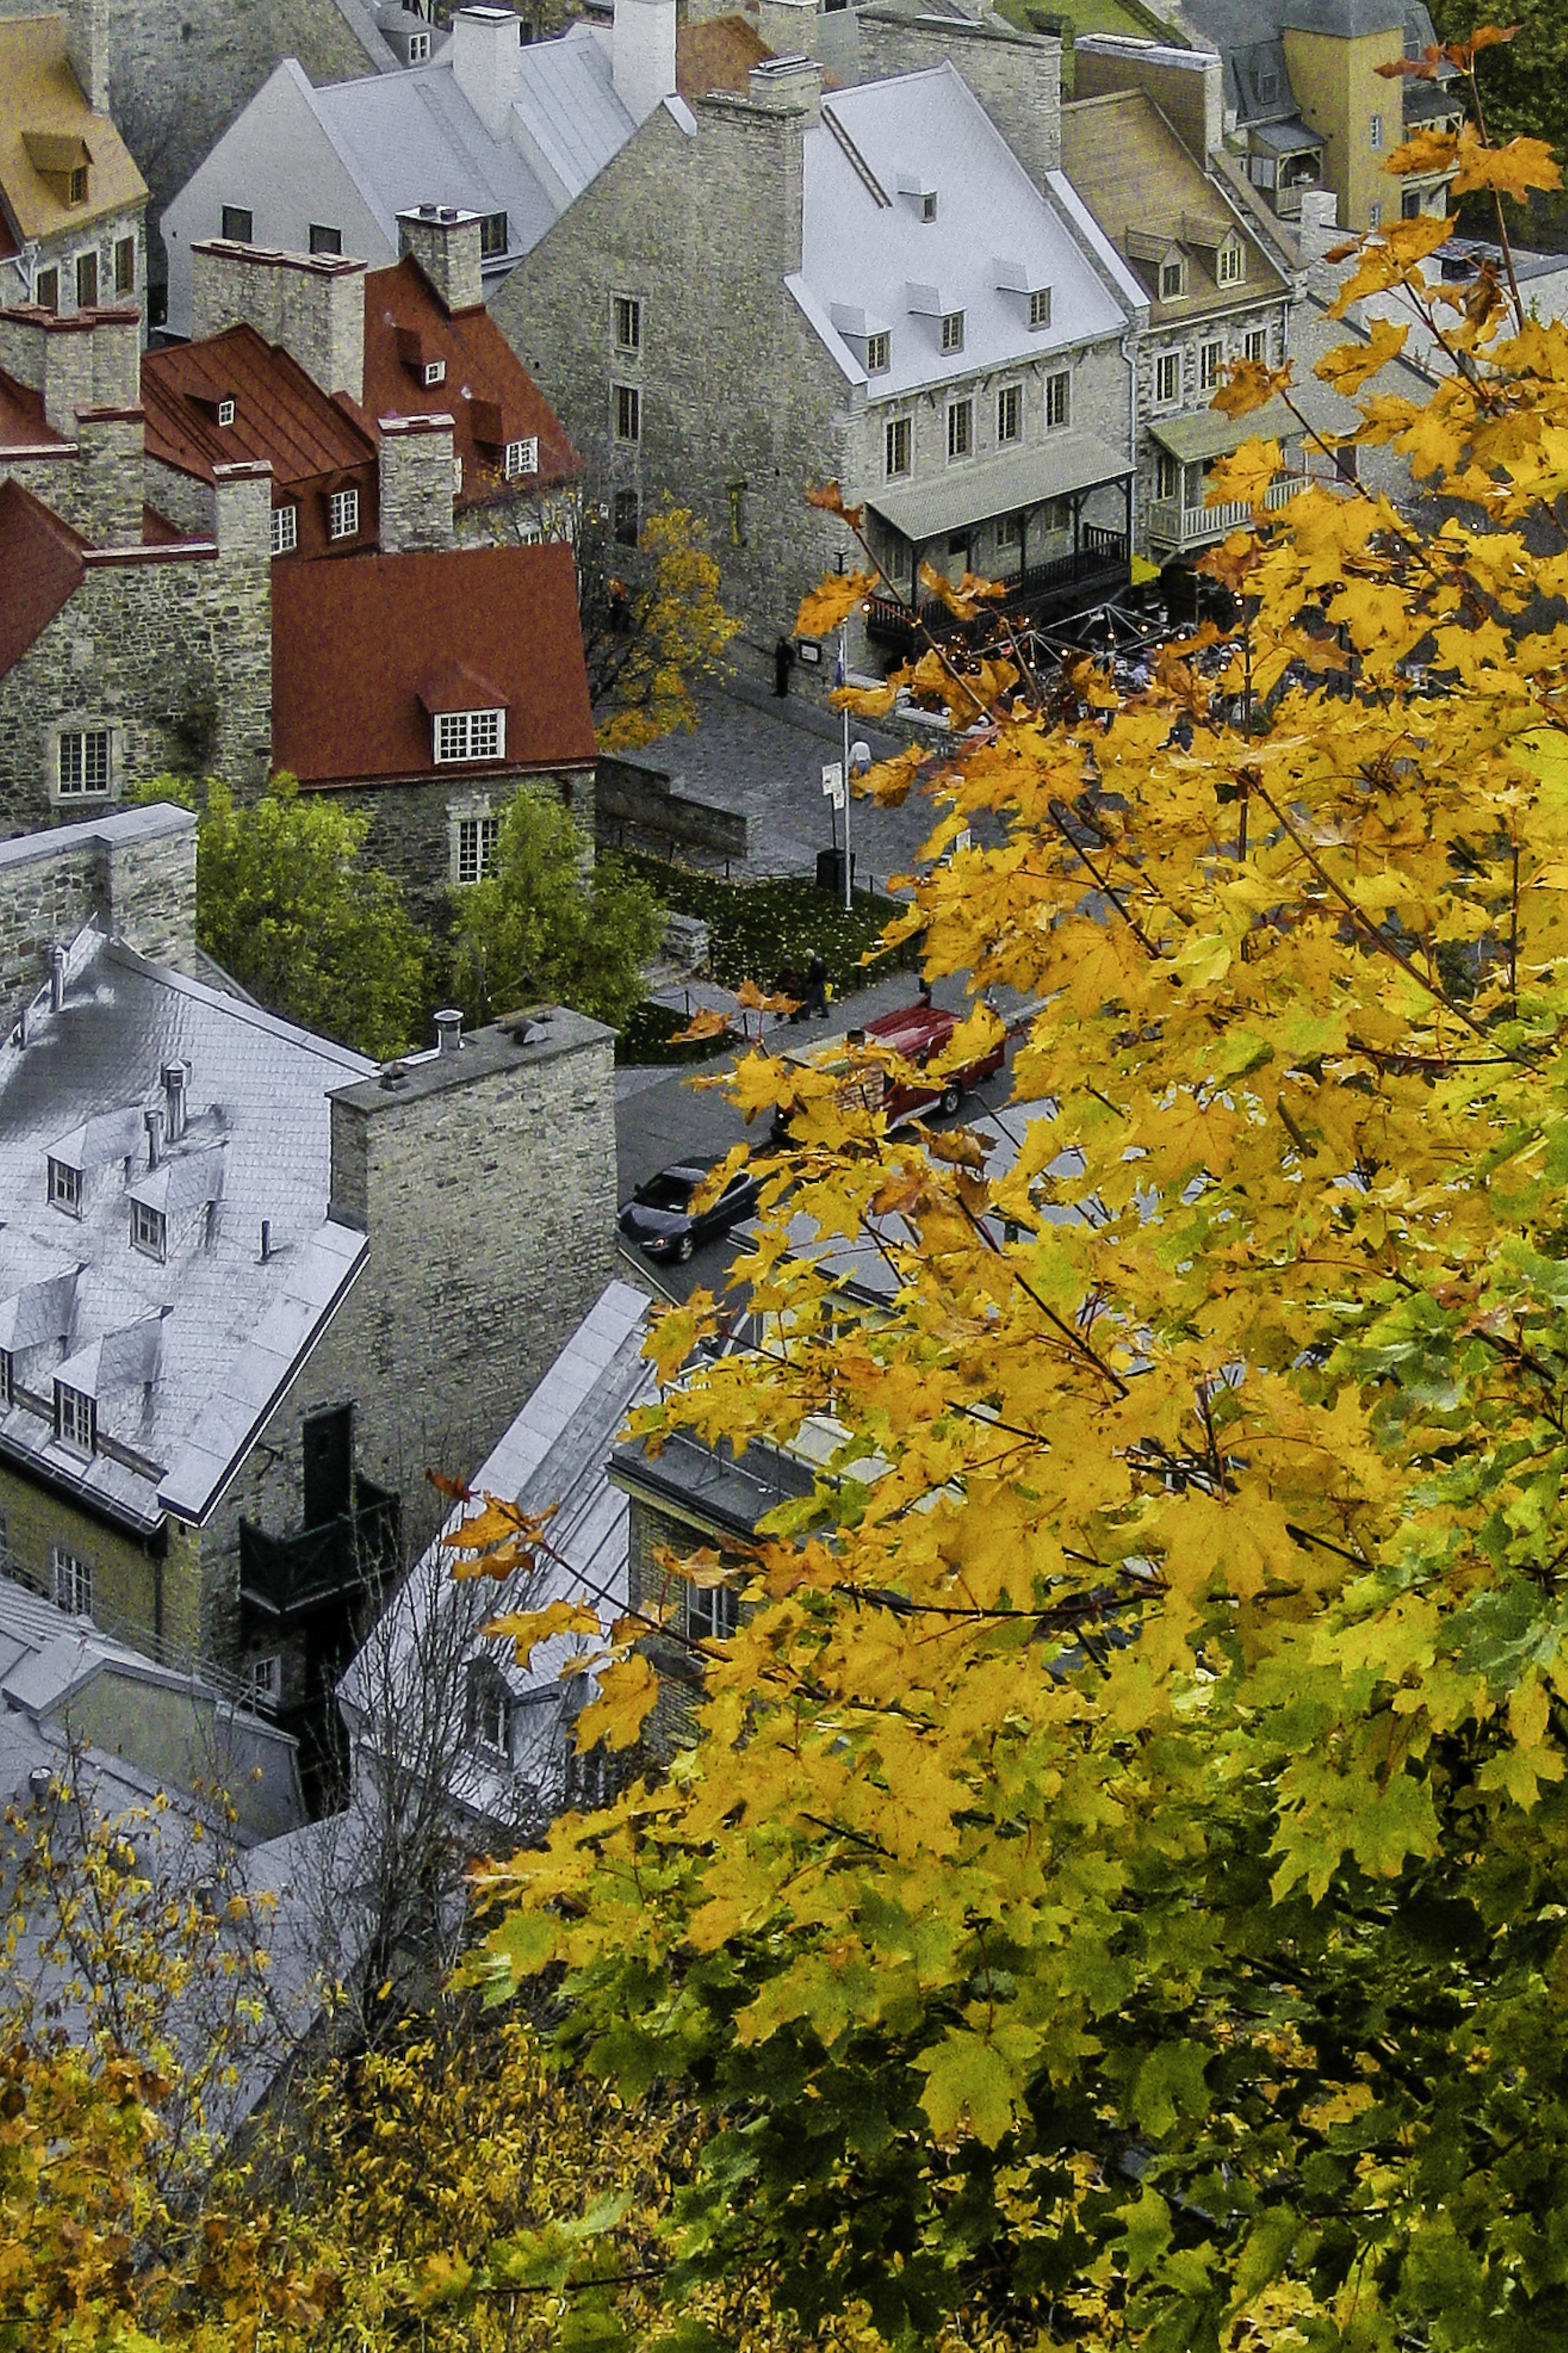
[(435, 372), (878, 355), (285, 529), (78, 185), (1267, 86), (149, 1230), (493, 235), (928, 205), (953, 330), (1040, 307), (918, 195), (490, 1709), (75, 1419), (418, 48), (1173, 280), (470, 736), (65, 1187), (521, 457), (1230, 263), (225, 412)]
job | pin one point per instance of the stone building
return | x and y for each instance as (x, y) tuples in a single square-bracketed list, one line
[(249, 1287), (493, 125), (868, 286), (300, 359), (72, 202)]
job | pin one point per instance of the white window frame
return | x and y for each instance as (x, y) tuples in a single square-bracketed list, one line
[(80, 773), (149, 1230), (1374, 131), (960, 430), (418, 48), (1374, 217), (1230, 263), (285, 529), (1167, 379), (1009, 407), (1256, 346), (1172, 294), (479, 837), (65, 1187), (470, 736), (75, 1419), (898, 438), (435, 373), (70, 1581), (953, 330), (878, 352), (520, 458), (226, 412), (713, 1613), (342, 516), (1211, 364), (1058, 397), (263, 1678)]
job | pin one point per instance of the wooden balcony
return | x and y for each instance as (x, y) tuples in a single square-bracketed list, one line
[(1177, 528)]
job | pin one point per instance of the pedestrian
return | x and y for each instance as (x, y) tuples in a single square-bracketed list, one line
[(815, 1008), (784, 662), (925, 993)]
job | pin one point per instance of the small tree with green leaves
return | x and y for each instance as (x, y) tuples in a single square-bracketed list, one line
[(544, 923)]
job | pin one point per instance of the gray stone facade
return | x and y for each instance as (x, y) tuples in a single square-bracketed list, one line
[(133, 874), (416, 828)]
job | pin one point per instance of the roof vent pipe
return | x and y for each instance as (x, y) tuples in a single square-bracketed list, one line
[(57, 979), (176, 1076), (154, 1120), (265, 1240), (448, 1029)]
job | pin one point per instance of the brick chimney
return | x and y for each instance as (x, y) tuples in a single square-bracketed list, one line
[(417, 483), (643, 54), (485, 46), (445, 245), (311, 303)]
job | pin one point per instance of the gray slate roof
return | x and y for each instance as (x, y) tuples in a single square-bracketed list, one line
[(185, 1355)]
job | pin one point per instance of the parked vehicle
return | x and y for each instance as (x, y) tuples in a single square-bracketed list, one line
[(919, 1033), (660, 1218)]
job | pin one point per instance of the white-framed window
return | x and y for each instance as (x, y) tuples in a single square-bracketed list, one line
[(1172, 280), (263, 1678), (471, 735), (1168, 379), (457, 477), (1059, 399), (225, 412), (1374, 131), (953, 330), (898, 446), (1009, 531), (629, 413), (960, 428), (1167, 476), (1257, 346), (520, 458), (1040, 307), (65, 1187), (1211, 360), (628, 323), (418, 48), (713, 1613), (76, 1417), (878, 354), (70, 1581), (477, 839), (84, 762), (435, 373), (285, 529), (1010, 413), (149, 1230), (343, 514), (1230, 267)]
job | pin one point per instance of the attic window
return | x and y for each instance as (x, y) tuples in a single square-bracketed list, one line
[(418, 47), (1172, 280), (65, 1187), (149, 1230), (435, 372), (521, 457), (1040, 307), (78, 185), (1231, 266), (493, 235), (75, 1419), (238, 224), (324, 239), (470, 736), (343, 514), (285, 529), (928, 205), (1267, 86), (953, 330), (878, 355), (225, 412), (490, 1709)]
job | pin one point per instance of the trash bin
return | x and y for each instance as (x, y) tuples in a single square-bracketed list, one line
[(830, 871)]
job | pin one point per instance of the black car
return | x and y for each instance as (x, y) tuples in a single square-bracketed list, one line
[(660, 1217)]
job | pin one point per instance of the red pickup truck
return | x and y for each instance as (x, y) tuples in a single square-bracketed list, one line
[(917, 1032)]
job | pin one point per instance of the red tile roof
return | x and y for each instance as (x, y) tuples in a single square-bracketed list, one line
[(279, 412), (489, 394), (40, 564), (358, 646), (21, 424)]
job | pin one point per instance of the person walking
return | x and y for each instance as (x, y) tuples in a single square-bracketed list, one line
[(815, 1006)]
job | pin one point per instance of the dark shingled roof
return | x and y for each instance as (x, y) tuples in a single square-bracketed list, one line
[(40, 564), (355, 646)]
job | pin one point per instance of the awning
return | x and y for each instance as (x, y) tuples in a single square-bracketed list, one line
[(964, 495), (1284, 139), (1212, 433)]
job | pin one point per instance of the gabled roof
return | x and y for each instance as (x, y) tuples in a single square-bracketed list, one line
[(279, 412), (866, 249), (491, 397), (40, 565), (41, 100), (355, 645)]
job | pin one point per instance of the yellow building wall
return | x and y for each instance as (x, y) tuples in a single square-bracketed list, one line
[(1339, 91), (126, 1577)]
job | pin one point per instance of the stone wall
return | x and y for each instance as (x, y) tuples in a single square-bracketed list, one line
[(412, 829), (628, 793), (741, 408), (170, 648), (134, 874)]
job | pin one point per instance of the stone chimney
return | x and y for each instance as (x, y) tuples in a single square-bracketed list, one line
[(417, 483), (242, 499), (311, 303), (105, 499), (788, 27), (787, 86), (90, 360), (1188, 85), (1017, 77), (445, 245), (642, 49), (485, 46), (86, 46)]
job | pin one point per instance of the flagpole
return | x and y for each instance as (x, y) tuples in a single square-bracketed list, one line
[(843, 681)]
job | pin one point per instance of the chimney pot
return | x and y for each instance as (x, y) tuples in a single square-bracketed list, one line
[(176, 1077), (448, 1029), (57, 979), (265, 1240), (154, 1124)]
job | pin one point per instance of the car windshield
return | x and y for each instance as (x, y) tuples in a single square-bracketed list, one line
[(670, 1191)]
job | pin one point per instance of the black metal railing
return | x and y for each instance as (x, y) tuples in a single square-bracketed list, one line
[(357, 1551), (1096, 566)]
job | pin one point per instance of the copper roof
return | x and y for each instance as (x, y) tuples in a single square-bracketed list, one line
[(40, 564), (41, 102), (355, 646), (490, 395), (280, 413)]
